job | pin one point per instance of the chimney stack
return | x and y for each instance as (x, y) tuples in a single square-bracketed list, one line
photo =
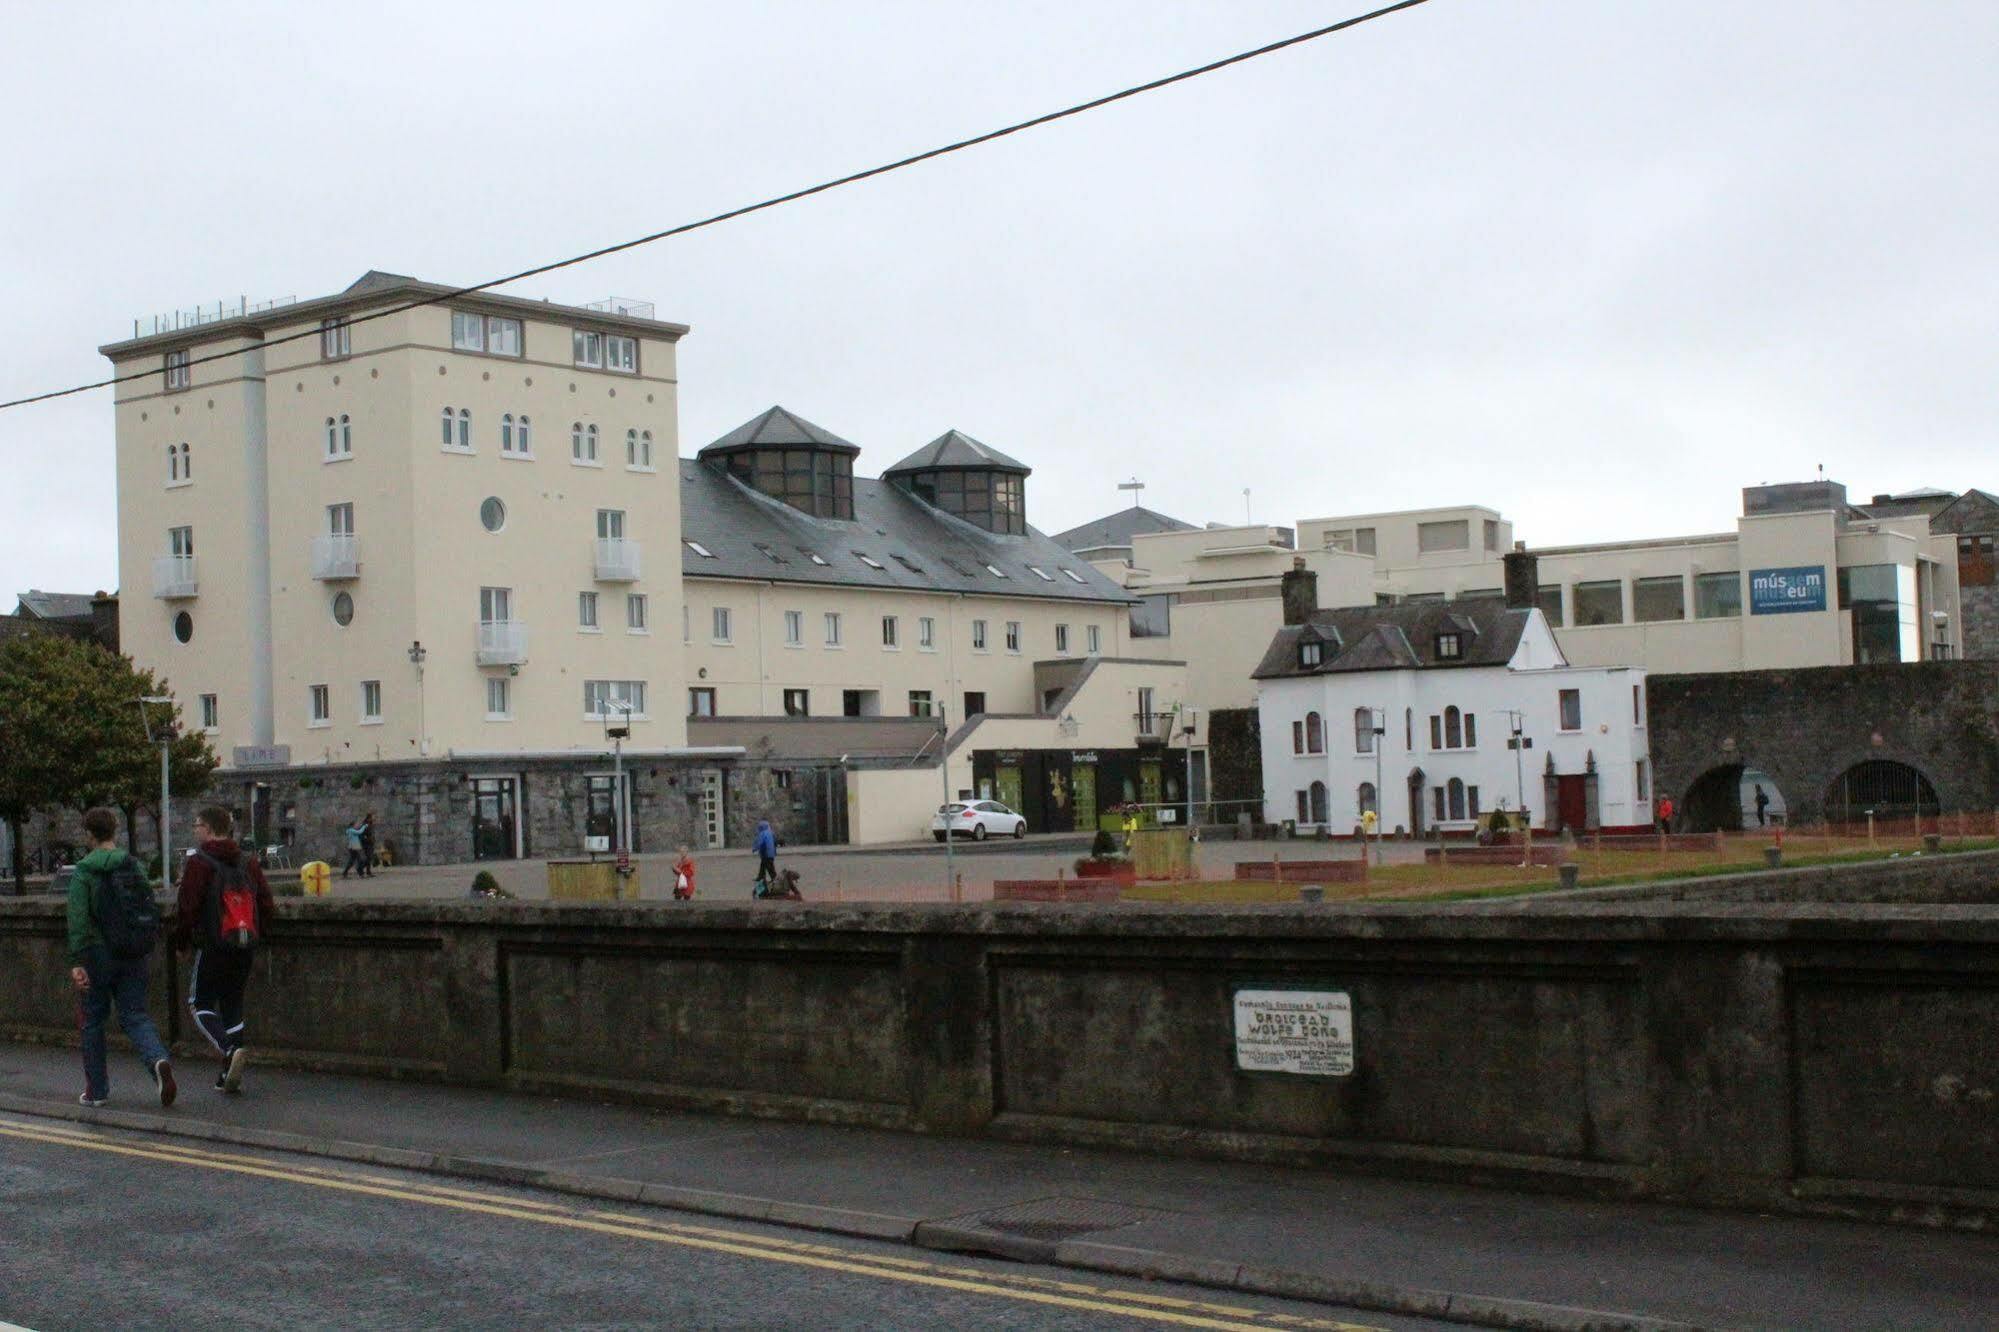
[(1523, 578), (1301, 592)]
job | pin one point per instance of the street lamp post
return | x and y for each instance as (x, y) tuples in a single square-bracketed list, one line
[(1190, 719), (1519, 742), (417, 653), (617, 735), (164, 738), (944, 779), (1379, 724)]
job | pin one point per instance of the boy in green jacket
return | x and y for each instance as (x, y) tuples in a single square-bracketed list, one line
[(104, 976)]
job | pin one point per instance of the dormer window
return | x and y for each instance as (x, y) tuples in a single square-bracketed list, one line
[(1450, 647), (1311, 653), (970, 481), (792, 461)]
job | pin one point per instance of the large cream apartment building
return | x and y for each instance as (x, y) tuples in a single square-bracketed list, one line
[(423, 552), (370, 542)]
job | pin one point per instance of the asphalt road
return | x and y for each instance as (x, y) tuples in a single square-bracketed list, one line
[(100, 1227)]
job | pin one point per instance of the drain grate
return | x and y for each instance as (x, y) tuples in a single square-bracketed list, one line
[(1061, 1218)]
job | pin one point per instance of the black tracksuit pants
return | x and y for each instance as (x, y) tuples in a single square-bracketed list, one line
[(216, 983)]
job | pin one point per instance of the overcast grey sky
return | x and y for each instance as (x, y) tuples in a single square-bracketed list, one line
[(1596, 263)]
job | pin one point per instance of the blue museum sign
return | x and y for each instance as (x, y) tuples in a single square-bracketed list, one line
[(1787, 591)]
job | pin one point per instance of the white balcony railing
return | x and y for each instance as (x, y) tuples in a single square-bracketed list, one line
[(337, 556), (617, 560), (173, 576), (502, 642)]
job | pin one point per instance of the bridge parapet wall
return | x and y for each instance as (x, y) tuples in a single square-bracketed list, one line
[(1789, 1056)]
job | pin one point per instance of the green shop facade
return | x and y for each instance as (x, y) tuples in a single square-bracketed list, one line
[(1080, 790)]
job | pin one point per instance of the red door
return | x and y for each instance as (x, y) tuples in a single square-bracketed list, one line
[(1571, 803)]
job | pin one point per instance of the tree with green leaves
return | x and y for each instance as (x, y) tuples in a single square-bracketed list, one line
[(71, 734)]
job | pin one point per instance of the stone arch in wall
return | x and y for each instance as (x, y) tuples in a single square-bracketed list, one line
[(1888, 788), (1714, 801)]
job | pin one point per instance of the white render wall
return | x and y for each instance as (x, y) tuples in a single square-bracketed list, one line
[(1487, 693)]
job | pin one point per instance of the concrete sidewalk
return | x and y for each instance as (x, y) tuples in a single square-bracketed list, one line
[(1490, 1257)]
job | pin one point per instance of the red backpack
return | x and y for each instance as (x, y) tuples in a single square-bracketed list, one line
[(230, 911)]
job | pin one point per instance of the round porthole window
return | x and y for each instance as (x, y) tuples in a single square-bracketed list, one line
[(343, 609), (492, 515), (183, 626)]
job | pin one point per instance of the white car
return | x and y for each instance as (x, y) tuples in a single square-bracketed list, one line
[(977, 819)]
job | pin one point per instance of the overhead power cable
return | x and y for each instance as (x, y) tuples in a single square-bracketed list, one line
[(775, 201)]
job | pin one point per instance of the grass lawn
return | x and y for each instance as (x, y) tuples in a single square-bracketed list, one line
[(1461, 882)]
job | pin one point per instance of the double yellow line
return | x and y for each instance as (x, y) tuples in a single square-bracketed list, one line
[(909, 1271)]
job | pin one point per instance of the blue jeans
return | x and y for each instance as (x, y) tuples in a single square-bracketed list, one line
[(119, 982)]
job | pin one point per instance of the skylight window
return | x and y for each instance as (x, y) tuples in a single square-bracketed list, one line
[(1044, 577), (907, 563), (957, 568), (699, 549), (775, 558), (995, 571), (1073, 576), (814, 556), (870, 561)]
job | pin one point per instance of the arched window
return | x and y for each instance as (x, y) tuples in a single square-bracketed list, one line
[(1363, 730), (1456, 793), (173, 463), (464, 427), (1319, 811), (1409, 729), (521, 440), (447, 427), (645, 448), (186, 464), (333, 436), (1471, 730), (576, 441), (1315, 734), (346, 434), (1365, 800), (1454, 728), (631, 448), (506, 432), (590, 443)]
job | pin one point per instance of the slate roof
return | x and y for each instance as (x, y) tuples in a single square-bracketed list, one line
[(1391, 638), (1119, 528), (776, 427), (955, 449), (54, 605), (1973, 511), (750, 535)]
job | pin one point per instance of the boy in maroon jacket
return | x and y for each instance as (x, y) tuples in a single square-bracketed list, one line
[(225, 906)]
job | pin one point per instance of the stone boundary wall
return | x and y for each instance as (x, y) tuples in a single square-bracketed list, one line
[(1805, 727), (1789, 1057)]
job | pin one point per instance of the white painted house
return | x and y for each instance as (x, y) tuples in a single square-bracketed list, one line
[(1420, 701)]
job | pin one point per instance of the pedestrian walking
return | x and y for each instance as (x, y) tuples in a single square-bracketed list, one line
[(114, 922), (683, 877), (1762, 806), (223, 913), (368, 845), (353, 834), (1665, 814), (765, 845)]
